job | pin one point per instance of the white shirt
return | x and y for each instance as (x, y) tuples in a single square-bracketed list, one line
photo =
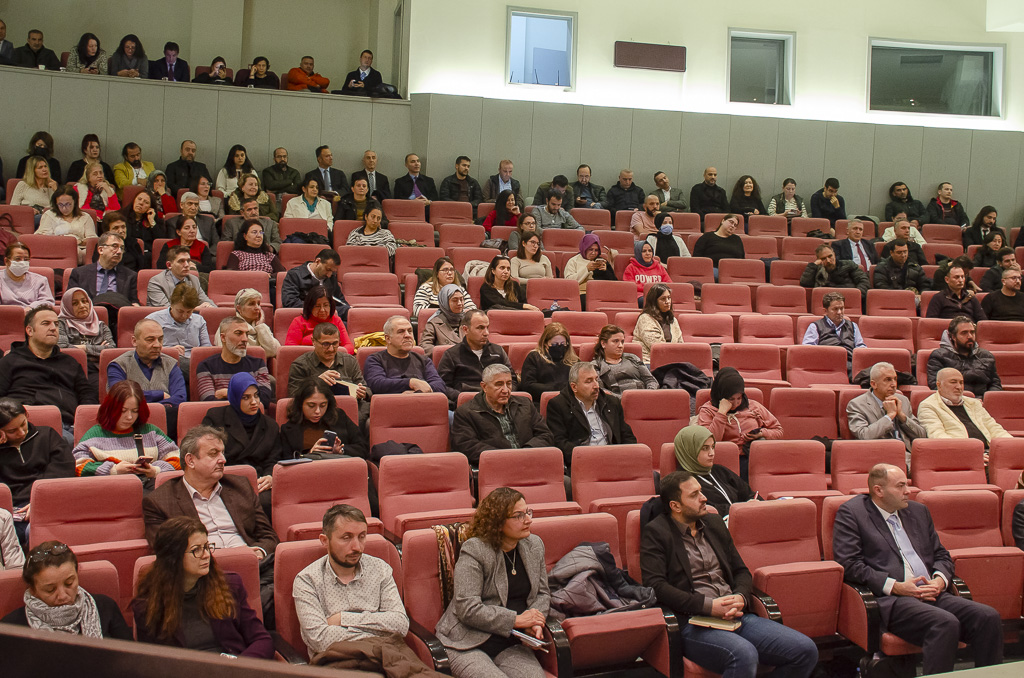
[(504, 185), (860, 256), (220, 526), (597, 432), (907, 573)]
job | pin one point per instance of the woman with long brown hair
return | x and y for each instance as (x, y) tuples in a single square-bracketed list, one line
[(500, 290), (186, 600)]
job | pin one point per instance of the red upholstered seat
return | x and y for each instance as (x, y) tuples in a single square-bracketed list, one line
[(755, 328), (775, 298), (762, 224), (609, 296), (304, 492), (805, 412), (85, 418), (241, 560), (810, 365), (883, 332), (408, 259), (289, 225), (760, 365), (656, 415), (689, 269), (420, 418), (697, 354), (1001, 335), (898, 303), (853, 459), (362, 259), (510, 326), (404, 210), (225, 284), (1005, 459), (536, 472), (741, 271), (420, 490), (372, 289), (612, 479), (461, 235), (451, 212), (542, 292), (708, 328), (592, 219), (939, 464), (368, 319), (721, 298)]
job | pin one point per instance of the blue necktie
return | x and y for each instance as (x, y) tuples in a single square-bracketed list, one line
[(906, 548)]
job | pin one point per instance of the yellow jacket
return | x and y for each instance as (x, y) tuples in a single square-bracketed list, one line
[(124, 174), (940, 422)]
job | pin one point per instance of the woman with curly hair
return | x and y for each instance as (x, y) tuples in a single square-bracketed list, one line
[(185, 600), (746, 197), (501, 585)]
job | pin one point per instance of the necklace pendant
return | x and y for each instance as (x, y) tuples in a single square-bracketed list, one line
[(513, 571)]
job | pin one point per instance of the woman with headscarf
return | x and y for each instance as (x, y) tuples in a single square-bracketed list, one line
[(79, 326), (643, 268), (592, 263), (442, 329), (731, 417), (665, 243), (253, 437), (249, 307), (695, 452)]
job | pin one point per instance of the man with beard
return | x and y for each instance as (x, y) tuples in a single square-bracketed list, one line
[(900, 200), (956, 299), (251, 212), (349, 610), (950, 414), (993, 278), (588, 194), (642, 222), (134, 171), (460, 187), (896, 272), (183, 171), (280, 178), (959, 349), (826, 203), (1007, 303), (707, 196), (825, 271), (214, 374)]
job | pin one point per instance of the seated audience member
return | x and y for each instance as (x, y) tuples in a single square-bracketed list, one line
[(993, 278), (987, 255), (170, 68), (462, 365), (318, 308), (214, 373), (329, 180), (251, 212), (494, 419), (671, 565), (443, 274), (643, 269), (855, 247), (942, 209), (587, 193), (624, 195), (309, 205), (825, 271), (36, 372), (179, 272), (123, 437), (672, 199), (583, 414), (129, 60), (722, 243), (460, 187), (133, 171), (184, 329), (36, 187), (826, 203), (18, 285), (959, 349), (787, 203), (217, 75), (186, 600), (505, 213), (349, 610), (983, 224), (553, 215), (190, 210), (249, 307), (529, 262), (746, 197), (162, 381), (90, 154), (34, 55), (280, 178), (142, 221), (618, 369), (252, 252), (833, 329), (498, 183), (707, 196), (208, 204), (910, 231), (364, 79), (30, 453), (901, 230), (11, 555), (476, 643), (40, 146), (442, 328), (657, 323), (890, 545), (663, 240), (370, 234), (902, 201), (376, 182), (956, 299), (499, 289), (397, 369), (54, 601), (249, 189), (963, 261), (883, 412), (338, 369), (252, 438), (592, 263), (734, 418), (948, 413), (237, 165), (527, 223), (92, 190), (87, 56), (302, 78), (164, 203), (546, 368), (79, 326), (260, 75), (896, 272), (200, 253), (559, 184), (320, 271), (695, 453), (356, 203), (1007, 303), (107, 274), (641, 224), (314, 411)]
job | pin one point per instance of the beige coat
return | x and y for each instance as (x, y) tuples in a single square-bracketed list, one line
[(648, 333), (940, 422)]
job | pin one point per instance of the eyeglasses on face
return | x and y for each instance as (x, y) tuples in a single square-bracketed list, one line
[(522, 515), (197, 551)]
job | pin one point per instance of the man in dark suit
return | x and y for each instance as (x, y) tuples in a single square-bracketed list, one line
[(855, 248), (186, 169), (415, 186), (328, 179), (889, 544), (170, 67), (364, 79), (689, 559), (380, 187), (106, 275)]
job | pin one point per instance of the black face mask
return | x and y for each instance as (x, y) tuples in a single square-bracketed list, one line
[(558, 351), (39, 150)]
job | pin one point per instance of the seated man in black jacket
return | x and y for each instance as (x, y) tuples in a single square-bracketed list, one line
[(992, 281), (364, 79), (462, 366), (320, 271), (825, 271), (896, 272), (583, 414)]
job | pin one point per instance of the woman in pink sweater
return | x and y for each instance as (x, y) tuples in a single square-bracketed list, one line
[(318, 308), (643, 269)]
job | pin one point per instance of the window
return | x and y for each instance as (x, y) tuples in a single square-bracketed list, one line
[(938, 79), (541, 48), (760, 67)]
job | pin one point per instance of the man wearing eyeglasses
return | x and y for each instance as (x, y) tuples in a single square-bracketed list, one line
[(107, 275), (331, 366), (1007, 303)]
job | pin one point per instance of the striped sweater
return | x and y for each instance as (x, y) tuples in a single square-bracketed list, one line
[(99, 450)]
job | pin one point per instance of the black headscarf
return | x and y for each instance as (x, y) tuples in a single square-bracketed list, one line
[(665, 245), (728, 383)]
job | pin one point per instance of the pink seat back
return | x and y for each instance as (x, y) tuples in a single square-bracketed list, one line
[(536, 472)]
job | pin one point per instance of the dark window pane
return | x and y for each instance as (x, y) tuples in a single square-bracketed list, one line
[(757, 71), (921, 80)]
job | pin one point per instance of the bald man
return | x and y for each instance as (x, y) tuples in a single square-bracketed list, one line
[(707, 196), (158, 373), (950, 414)]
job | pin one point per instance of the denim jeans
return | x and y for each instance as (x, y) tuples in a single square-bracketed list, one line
[(736, 654)]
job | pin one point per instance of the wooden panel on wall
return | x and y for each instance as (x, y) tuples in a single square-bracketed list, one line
[(945, 157), (848, 150), (753, 143), (704, 143), (655, 146), (606, 141), (896, 157), (556, 143), (506, 128), (800, 156), (995, 164)]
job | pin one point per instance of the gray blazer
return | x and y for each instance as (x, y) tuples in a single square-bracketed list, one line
[(481, 591), (867, 422), (161, 286)]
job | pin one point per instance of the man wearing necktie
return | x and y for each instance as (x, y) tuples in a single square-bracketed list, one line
[(889, 544), (379, 184), (855, 248), (414, 185), (883, 413), (364, 79), (328, 179)]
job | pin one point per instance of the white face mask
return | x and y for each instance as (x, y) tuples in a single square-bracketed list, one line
[(18, 268)]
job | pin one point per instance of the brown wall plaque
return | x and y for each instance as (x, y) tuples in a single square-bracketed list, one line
[(647, 55)]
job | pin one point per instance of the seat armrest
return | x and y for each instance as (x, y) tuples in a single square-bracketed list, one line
[(860, 620), (765, 606), (563, 654), (285, 649), (675, 644), (434, 646), (960, 588)]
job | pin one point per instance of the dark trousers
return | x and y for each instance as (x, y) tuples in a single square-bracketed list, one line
[(938, 626)]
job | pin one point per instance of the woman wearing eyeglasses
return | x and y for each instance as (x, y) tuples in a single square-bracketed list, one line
[(55, 602), (501, 585), (185, 600)]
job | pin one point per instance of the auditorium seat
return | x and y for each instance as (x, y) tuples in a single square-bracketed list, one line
[(781, 299), (805, 412), (592, 219), (536, 472), (619, 241), (950, 250), (696, 353), (1001, 335), (421, 490), (367, 319), (741, 271), (689, 269), (303, 493), (408, 259), (85, 418), (939, 464), (722, 298), (404, 210), (800, 249), (685, 222), (286, 355), (929, 333), (95, 576), (22, 216), (562, 239), (283, 318), (290, 225), (1007, 407), (709, 328), (865, 358), (375, 290), (460, 235), (362, 259), (12, 326), (851, 296), (655, 415), (445, 212), (801, 226), (828, 517), (807, 366), (943, 234), (712, 220), (583, 326), (892, 303), (51, 251), (789, 468), (420, 418), (764, 225), (755, 328), (610, 296), (343, 229), (239, 559), (682, 296), (883, 332), (191, 415), (543, 292), (225, 284), (612, 479), (39, 415), (759, 364), (787, 272), (463, 255), (853, 459), (511, 326)]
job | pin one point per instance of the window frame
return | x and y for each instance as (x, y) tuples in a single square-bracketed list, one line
[(788, 39), (573, 17), (998, 51)]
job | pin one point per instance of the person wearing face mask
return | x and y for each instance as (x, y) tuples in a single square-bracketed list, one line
[(695, 452), (643, 268), (18, 285), (442, 328), (65, 217), (546, 367), (664, 241)]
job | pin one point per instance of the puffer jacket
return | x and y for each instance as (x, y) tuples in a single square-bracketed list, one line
[(585, 581), (978, 367)]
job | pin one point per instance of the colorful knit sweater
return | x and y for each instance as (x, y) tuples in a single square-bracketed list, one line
[(99, 450)]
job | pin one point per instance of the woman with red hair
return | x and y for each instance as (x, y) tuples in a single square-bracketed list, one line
[(123, 442)]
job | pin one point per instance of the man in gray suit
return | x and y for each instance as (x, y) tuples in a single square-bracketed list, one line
[(179, 270), (672, 199), (883, 412)]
